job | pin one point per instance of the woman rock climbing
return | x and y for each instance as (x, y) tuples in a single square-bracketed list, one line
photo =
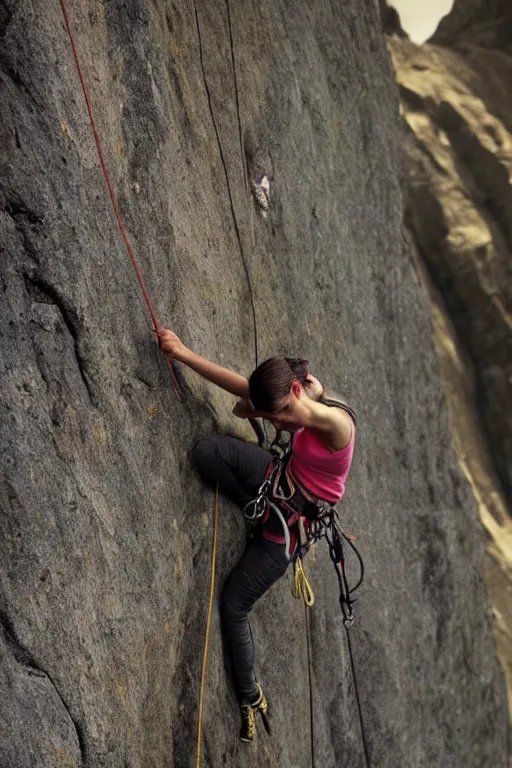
[(284, 392)]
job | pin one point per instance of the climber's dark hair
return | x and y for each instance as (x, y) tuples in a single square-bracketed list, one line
[(271, 381), (299, 367)]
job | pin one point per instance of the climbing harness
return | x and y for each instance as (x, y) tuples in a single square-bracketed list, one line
[(277, 494), (108, 181)]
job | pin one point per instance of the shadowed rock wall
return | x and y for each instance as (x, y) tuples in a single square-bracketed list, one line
[(483, 23), (105, 528), (455, 101)]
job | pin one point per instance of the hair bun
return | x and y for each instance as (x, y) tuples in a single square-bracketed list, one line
[(299, 366)]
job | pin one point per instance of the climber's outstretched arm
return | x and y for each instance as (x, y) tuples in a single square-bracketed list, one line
[(229, 380)]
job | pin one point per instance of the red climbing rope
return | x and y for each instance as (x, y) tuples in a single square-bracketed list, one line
[(156, 324)]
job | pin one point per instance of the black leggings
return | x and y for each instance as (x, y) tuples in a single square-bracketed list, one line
[(240, 468)]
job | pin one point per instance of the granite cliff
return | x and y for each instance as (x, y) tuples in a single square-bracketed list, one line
[(105, 528)]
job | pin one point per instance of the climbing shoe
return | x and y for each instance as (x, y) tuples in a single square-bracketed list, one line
[(248, 711)]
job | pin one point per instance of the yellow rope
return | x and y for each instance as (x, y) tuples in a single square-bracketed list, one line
[(207, 634), (301, 585)]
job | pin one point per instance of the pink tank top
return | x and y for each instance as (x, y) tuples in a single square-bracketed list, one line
[(320, 471)]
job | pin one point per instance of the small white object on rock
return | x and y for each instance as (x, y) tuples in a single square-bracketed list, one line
[(261, 192)]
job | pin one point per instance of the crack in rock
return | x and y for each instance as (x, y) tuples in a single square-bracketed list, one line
[(6, 14), (25, 220), (44, 293), (24, 657)]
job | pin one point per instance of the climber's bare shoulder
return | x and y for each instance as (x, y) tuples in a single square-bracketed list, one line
[(334, 426)]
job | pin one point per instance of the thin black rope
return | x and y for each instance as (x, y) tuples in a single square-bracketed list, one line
[(311, 719), (230, 196), (358, 700), (233, 63)]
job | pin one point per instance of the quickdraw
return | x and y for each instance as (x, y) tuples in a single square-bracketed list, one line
[(335, 537)]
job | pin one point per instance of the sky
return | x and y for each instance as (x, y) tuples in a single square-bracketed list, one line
[(421, 17)]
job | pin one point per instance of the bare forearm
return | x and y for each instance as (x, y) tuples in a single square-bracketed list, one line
[(229, 380)]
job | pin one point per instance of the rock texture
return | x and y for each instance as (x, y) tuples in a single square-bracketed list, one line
[(105, 529), (486, 25), (455, 101)]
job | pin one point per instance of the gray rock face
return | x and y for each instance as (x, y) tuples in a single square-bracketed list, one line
[(105, 529)]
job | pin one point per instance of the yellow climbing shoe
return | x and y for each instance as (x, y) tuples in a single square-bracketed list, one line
[(248, 711)]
